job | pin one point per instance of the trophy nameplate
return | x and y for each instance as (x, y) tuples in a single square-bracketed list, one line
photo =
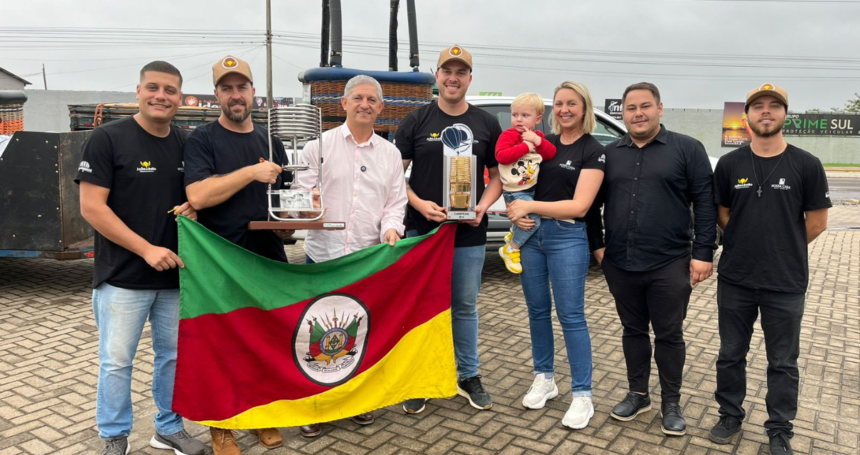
[(459, 172)]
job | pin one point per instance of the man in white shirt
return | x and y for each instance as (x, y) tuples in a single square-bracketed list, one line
[(363, 186)]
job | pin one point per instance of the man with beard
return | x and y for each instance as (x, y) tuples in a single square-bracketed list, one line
[(226, 178), (419, 141), (772, 202), (651, 258)]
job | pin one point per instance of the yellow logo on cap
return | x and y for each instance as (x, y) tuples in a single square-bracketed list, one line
[(456, 51), (229, 62), (766, 87)]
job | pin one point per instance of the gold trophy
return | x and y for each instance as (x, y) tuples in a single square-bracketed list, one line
[(459, 172), (460, 177)]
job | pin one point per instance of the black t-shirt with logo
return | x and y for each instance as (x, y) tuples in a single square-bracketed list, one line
[(419, 139), (559, 176), (764, 244), (144, 174), (214, 150)]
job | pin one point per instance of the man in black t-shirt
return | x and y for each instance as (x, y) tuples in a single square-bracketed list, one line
[(130, 182), (419, 140), (652, 259), (227, 167), (226, 178), (772, 202)]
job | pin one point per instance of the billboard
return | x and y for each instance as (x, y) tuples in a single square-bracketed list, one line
[(212, 101), (612, 107), (821, 125), (735, 130)]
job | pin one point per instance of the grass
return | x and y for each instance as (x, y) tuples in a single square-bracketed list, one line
[(840, 165)]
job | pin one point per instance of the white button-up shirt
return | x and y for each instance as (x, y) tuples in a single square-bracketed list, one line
[(363, 186)]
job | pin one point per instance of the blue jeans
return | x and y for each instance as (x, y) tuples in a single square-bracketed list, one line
[(557, 254), (465, 286), (120, 315), (521, 236)]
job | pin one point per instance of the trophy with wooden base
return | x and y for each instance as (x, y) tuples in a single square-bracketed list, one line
[(295, 126), (459, 172)]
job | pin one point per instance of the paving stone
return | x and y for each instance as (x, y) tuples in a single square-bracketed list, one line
[(49, 368)]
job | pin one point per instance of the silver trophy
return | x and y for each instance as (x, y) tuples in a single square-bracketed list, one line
[(460, 164), (295, 126)]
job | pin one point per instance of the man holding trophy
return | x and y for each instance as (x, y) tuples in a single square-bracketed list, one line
[(364, 186), (449, 144)]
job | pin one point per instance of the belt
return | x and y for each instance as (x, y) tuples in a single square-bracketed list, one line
[(557, 219)]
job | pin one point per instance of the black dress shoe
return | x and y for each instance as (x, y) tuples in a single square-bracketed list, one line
[(633, 405), (673, 421), (311, 431), (364, 419)]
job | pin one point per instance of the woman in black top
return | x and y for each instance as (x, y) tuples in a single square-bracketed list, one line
[(558, 254)]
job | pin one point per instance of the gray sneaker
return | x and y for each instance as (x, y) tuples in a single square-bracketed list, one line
[(472, 389), (116, 446), (180, 443), (414, 406)]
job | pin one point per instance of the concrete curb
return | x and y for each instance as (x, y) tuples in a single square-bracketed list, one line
[(842, 169)]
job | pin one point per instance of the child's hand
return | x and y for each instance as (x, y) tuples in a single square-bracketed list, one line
[(531, 136), (531, 146)]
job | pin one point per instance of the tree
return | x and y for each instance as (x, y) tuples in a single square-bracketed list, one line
[(853, 105)]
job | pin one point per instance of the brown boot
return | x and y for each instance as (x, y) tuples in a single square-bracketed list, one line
[(223, 442), (270, 438)]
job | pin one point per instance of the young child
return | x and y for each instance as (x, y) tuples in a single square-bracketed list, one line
[(519, 152)]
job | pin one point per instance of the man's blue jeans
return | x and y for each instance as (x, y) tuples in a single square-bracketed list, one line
[(120, 316), (557, 254), (465, 286)]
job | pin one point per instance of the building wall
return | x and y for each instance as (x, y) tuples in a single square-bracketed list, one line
[(47, 110), (8, 82)]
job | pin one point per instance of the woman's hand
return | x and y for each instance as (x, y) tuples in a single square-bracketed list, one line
[(525, 223), (518, 209)]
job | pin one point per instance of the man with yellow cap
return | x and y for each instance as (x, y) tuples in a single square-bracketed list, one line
[(772, 200)]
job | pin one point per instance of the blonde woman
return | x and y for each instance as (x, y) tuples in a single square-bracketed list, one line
[(557, 254)]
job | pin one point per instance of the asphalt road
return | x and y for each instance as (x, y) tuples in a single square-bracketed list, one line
[(844, 188)]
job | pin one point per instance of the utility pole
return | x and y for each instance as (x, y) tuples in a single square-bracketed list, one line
[(269, 99), (44, 77)]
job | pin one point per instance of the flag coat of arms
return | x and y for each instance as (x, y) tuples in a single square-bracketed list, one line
[(266, 344)]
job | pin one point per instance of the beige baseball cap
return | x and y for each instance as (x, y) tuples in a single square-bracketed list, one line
[(455, 52), (228, 65), (767, 89)]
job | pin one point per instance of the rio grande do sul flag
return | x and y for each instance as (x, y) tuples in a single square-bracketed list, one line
[(265, 344)]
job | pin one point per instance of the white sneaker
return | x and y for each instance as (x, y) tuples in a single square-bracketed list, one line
[(541, 390), (580, 413)]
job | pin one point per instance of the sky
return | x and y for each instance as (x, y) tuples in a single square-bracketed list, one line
[(700, 53)]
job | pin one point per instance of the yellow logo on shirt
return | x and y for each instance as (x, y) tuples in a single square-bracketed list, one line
[(434, 134), (743, 183), (145, 167)]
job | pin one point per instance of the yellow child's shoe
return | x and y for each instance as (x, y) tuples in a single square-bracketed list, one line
[(509, 237), (512, 259)]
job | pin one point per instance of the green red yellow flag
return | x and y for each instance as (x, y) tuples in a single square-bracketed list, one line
[(265, 344)]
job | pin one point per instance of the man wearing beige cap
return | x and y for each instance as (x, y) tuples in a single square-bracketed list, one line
[(226, 176), (772, 200), (419, 140)]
